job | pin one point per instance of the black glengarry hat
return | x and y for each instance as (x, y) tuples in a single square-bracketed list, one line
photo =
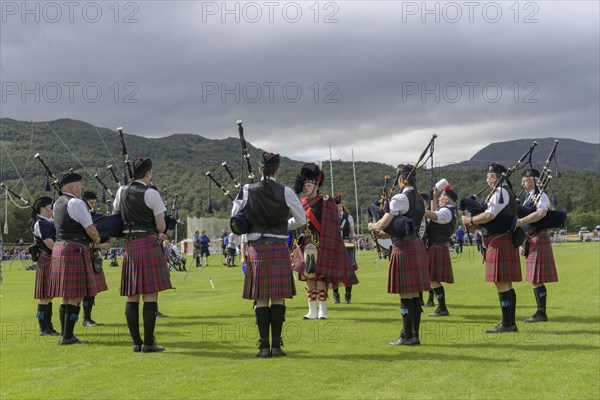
[(41, 202), (141, 165), (69, 177), (531, 173), (496, 168)]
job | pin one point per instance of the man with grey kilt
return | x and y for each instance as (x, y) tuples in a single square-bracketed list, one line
[(262, 210), (145, 269), (439, 231)]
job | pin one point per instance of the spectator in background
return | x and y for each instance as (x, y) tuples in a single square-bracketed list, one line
[(460, 238), (223, 244), (197, 248), (231, 249), (204, 251), (478, 238)]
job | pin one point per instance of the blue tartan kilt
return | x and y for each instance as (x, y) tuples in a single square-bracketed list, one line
[(71, 271), (145, 269), (42, 277), (408, 271), (502, 262), (540, 264), (268, 273), (440, 264)]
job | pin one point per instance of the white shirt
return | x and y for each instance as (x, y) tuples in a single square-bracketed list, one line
[(291, 200), (78, 211), (232, 241), (494, 207), (444, 215), (151, 199), (543, 203), (399, 204)]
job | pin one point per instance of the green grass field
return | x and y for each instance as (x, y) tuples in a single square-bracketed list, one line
[(210, 339)]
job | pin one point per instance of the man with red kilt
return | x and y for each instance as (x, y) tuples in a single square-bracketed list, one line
[(91, 200), (439, 232), (502, 263), (408, 273), (538, 248), (71, 271), (320, 257), (145, 269), (44, 233), (267, 206)]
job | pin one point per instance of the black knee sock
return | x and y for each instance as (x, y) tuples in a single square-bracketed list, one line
[(505, 306), (407, 311), (336, 290), (61, 314), (49, 316), (263, 320), (88, 303), (42, 316), (440, 295), (513, 306), (430, 298), (71, 317), (277, 317), (132, 315), (417, 310), (540, 298), (149, 312), (349, 290)]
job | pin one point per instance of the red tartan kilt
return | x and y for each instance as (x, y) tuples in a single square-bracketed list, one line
[(101, 285), (71, 271), (408, 271), (540, 264), (42, 277), (502, 262), (145, 269), (268, 273), (440, 265)]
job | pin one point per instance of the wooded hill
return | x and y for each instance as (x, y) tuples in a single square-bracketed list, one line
[(182, 160)]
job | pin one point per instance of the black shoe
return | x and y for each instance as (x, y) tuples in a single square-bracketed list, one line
[(151, 348), (90, 323), (73, 340), (278, 353), (263, 353), (430, 303), (336, 298), (439, 313), (160, 315), (137, 348), (404, 341), (347, 299), (501, 329), (537, 317), (263, 349), (49, 332)]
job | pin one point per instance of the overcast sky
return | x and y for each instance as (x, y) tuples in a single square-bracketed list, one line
[(378, 77)]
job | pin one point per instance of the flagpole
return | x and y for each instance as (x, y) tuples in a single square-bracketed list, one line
[(356, 197)]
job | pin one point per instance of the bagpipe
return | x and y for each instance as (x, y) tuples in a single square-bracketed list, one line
[(552, 219), (46, 227), (170, 219), (400, 226), (500, 224), (107, 225)]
